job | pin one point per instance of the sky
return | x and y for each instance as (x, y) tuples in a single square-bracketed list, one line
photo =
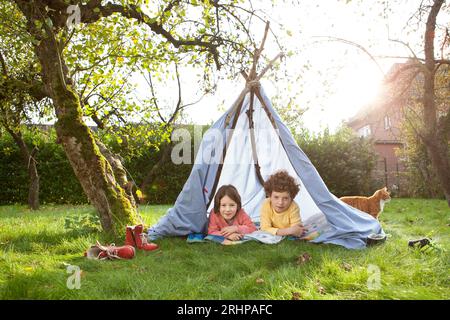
[(340, 78)]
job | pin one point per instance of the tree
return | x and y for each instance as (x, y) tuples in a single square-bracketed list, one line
[(433, 125), (21, 90), (436, 133), (207, 40)]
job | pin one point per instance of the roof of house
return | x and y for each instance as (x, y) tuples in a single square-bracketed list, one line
[(395, 82)]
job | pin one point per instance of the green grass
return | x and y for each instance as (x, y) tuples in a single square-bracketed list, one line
[(35, 250)]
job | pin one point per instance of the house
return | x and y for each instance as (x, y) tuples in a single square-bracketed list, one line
[(381, 121)]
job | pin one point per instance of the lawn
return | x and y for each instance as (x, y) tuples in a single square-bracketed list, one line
[(39, 252)]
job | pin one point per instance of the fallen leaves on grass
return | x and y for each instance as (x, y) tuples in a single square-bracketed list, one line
[(346, 266), (296, 296), (259, 281), (304, 258), (320, 288)]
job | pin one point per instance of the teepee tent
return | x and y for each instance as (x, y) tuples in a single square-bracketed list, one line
[(243, 148)]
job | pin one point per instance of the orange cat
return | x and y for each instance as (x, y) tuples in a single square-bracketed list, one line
[(372, 205)]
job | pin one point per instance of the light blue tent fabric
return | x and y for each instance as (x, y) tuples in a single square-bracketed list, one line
[(346, 226)]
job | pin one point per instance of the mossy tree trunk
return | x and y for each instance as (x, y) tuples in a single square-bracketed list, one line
[(119, 171), (94, 172)]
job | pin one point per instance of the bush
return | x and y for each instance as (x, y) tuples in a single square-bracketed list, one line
[(13, 174), (344, 161), (58, 183), (419, 173), (139, 157)]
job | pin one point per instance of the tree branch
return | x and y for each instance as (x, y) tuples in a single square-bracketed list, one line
[(446, 37), (88, 15), (355, 45), (406, 45), (404, 68), (155, 100), (171, 5), (3, 63), (177, 108), (440, 63)]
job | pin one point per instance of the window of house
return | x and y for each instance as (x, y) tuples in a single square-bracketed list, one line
[(364, 131), (387, 122)]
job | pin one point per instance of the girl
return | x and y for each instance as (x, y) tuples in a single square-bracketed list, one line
[(228, 219), (280, 214)]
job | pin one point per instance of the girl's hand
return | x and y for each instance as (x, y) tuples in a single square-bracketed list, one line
[(235, 236), (229, 230)]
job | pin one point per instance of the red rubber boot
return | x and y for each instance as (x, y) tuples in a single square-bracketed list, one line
[(129, 236), (100, 252), (141, 239)]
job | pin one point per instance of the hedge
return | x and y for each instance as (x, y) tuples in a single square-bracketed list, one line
[(344, 161)]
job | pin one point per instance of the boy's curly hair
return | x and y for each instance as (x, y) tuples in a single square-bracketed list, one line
[(281, 181)]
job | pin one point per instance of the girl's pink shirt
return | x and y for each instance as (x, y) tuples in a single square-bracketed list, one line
[(241, 220)]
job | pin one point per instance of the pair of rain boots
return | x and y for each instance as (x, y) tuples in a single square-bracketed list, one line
[(137, 238)]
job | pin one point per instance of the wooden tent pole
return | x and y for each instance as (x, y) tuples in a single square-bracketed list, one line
[(236, 110), (257, 54), (266, 109), (224, 151), (264, 37), (251, 126), (269, 65), (236, 104), (245, 75)]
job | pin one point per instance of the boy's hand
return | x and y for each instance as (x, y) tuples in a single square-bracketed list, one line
[(298, 230), (229, 230)]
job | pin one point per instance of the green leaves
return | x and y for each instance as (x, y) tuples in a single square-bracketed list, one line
[(49, 22), (344, 160), (38, 24), (105, 58), (82, 224)]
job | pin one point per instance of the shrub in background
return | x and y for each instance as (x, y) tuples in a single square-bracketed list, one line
[(344, 161), (58, 183)]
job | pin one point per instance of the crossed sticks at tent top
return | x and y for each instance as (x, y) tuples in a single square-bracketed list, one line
[(253, 76), (252, 86), (252, 79)]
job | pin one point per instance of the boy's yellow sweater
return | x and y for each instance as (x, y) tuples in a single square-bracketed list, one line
[(271, 220)]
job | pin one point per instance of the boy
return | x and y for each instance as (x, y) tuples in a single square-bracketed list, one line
[(280, 214)]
